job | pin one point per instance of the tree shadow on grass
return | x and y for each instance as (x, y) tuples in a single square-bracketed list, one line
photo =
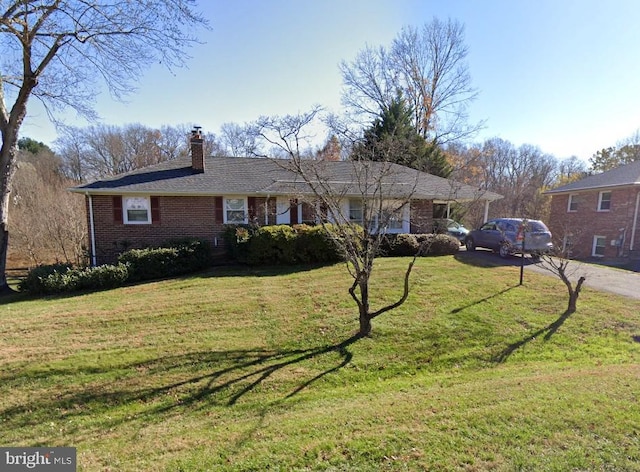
[(223, 378), (482, 300), (548, 332)]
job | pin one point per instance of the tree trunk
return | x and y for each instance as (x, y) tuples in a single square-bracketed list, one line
[(5, 188), (573, 302), (4, 246), (365, 316), (573, 296), (365, 325)]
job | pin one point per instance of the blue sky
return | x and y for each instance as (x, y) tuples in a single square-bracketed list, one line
[(563, 75)]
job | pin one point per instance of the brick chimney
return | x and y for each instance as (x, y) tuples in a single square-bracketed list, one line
[(197, 150)]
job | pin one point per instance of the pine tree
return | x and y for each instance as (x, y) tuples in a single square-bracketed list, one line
[(393, 137)]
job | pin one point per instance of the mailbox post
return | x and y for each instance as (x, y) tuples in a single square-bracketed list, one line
[(522, 237)]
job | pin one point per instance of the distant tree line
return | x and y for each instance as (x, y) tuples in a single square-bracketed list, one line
[(48, 222)]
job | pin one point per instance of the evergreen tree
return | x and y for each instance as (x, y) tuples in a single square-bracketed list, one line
[(393, 137)]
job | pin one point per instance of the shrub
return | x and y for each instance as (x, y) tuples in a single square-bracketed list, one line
[(399, 245), (272, 245), (282, 244), (236, 241), (438, 244), (33, 282), (51, 280), (175, 258), (193, 254), (316, 244), (180, 257), (149, 263)]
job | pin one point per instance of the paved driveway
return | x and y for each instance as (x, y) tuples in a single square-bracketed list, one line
[(621, 282)]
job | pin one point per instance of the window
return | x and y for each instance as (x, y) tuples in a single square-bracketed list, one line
[(604, 201), (567, 245), (599, 243), (136, 210), (392, 216), (235, 210), (355, 211), (395, 222), (573, 203)]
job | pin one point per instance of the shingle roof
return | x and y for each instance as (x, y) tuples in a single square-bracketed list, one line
[(256, 176), (622, 176)]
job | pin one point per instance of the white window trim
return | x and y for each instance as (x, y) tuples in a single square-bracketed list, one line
[(125, 215), (224, 208), (571, 200), (405, 216), (600, 200), (594, 245)]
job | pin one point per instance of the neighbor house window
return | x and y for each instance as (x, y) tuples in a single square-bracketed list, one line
[(567, 245), (573, 203), (136, 210), (235, 210), (599, 243), (604, 201)]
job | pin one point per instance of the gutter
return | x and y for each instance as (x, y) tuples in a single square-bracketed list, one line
[(92, 231), (635, 221)]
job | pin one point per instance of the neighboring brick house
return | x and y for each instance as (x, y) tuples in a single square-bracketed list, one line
[(597, 217), (197, 197)]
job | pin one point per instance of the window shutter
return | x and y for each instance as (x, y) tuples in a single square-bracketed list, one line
[(117, 209), (155, 210), (293, 211), (219, 210), (251, 203)]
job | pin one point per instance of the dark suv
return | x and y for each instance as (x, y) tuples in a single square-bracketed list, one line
[(506, 235)]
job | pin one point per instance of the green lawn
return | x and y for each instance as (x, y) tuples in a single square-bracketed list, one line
[(241, 369)]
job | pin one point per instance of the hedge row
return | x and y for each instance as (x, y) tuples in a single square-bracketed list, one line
[(396, 245), (177, 257), (174, 258), (282, 244), (298, 244)]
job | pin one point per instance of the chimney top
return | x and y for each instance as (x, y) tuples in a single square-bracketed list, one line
[(196, 133), (197, 150)]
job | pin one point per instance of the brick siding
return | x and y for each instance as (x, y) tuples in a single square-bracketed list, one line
[(587, 222), (180, 217), (421, 216), (193, 217)]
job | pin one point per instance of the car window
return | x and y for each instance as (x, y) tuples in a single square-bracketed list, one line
[(488, 226), (537, 226)]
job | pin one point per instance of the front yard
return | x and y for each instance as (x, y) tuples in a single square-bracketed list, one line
[(244, 369)]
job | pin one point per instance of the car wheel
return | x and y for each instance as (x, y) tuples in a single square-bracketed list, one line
[(470, 244), (505, 250), (535, 257)]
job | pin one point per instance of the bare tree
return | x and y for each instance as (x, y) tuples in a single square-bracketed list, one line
[(570, 170), (48, 223), (522, 173), (559, 263), (238, 140), (378, 193), (427, 67), (104, 150), (57, 51)]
